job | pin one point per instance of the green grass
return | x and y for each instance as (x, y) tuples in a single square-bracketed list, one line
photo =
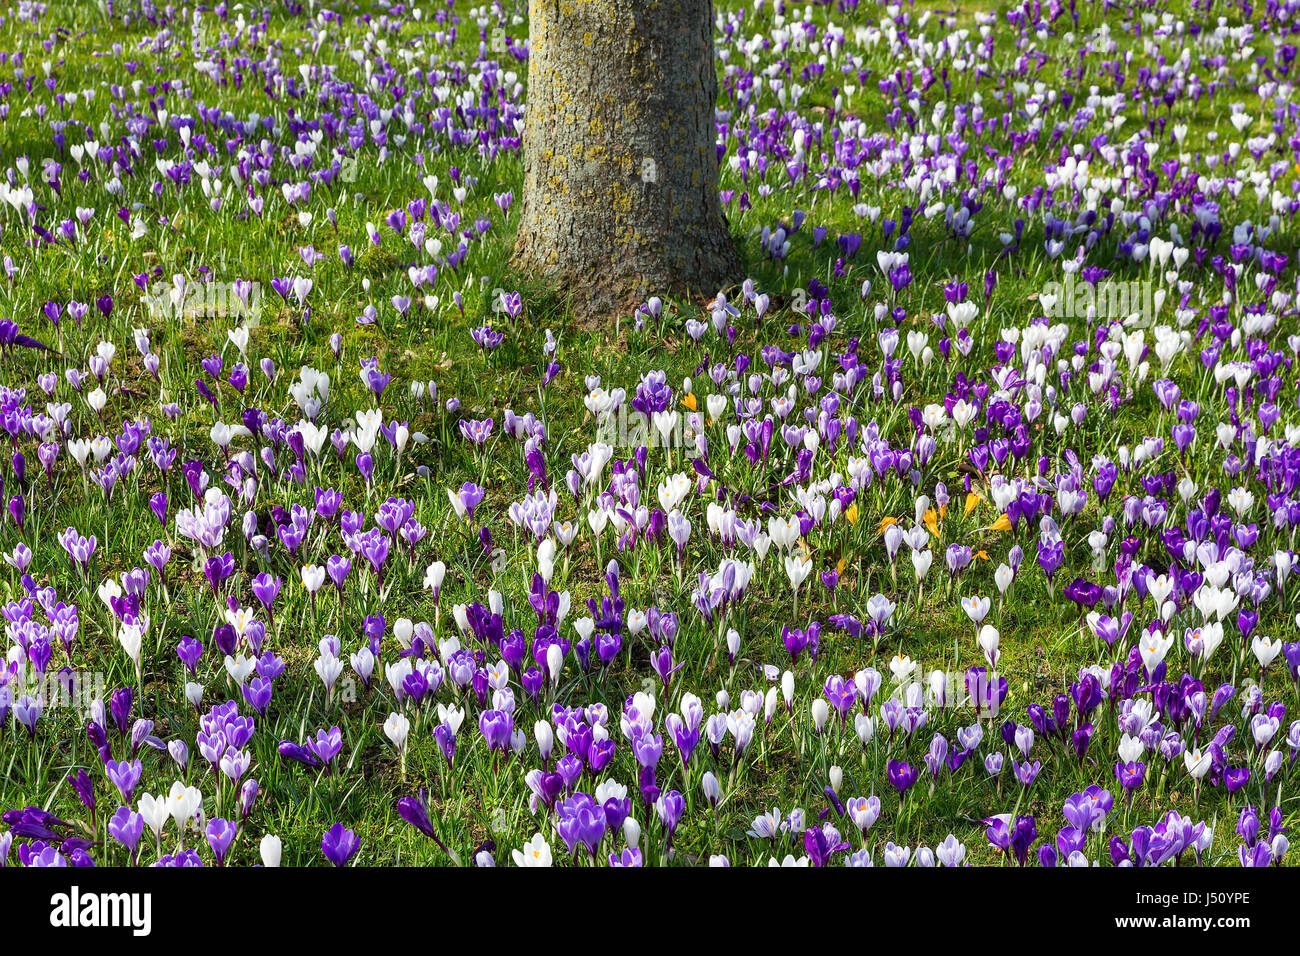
[(1043, 643)]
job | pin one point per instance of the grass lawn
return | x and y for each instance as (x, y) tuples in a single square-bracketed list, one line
[(361, 166)]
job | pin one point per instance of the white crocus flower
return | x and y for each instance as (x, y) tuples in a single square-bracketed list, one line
[(270, 849), (536, 852), (397, 728)]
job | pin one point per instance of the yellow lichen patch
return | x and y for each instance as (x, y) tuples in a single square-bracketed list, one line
[(621, 200)]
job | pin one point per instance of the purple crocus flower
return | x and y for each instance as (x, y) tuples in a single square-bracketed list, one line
[(670, 807), (266, 588), (497, 727), (476, 431), (125, 776), (469, 496), (84, 785), (340, 845), (220, 833), (1130, 775), (126, 827), (901, 776), (821, 843), (326, 745), (415, 811)]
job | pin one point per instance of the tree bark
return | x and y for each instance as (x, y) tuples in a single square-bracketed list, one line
[(620, 197)]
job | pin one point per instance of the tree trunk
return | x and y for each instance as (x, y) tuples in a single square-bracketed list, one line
[(620, 197)]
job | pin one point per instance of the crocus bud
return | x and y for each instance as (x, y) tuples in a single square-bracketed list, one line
[(733, 643), (403, 630), (554, 661), (712, 789), (820, 711), (545, 737), (270, 849)]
